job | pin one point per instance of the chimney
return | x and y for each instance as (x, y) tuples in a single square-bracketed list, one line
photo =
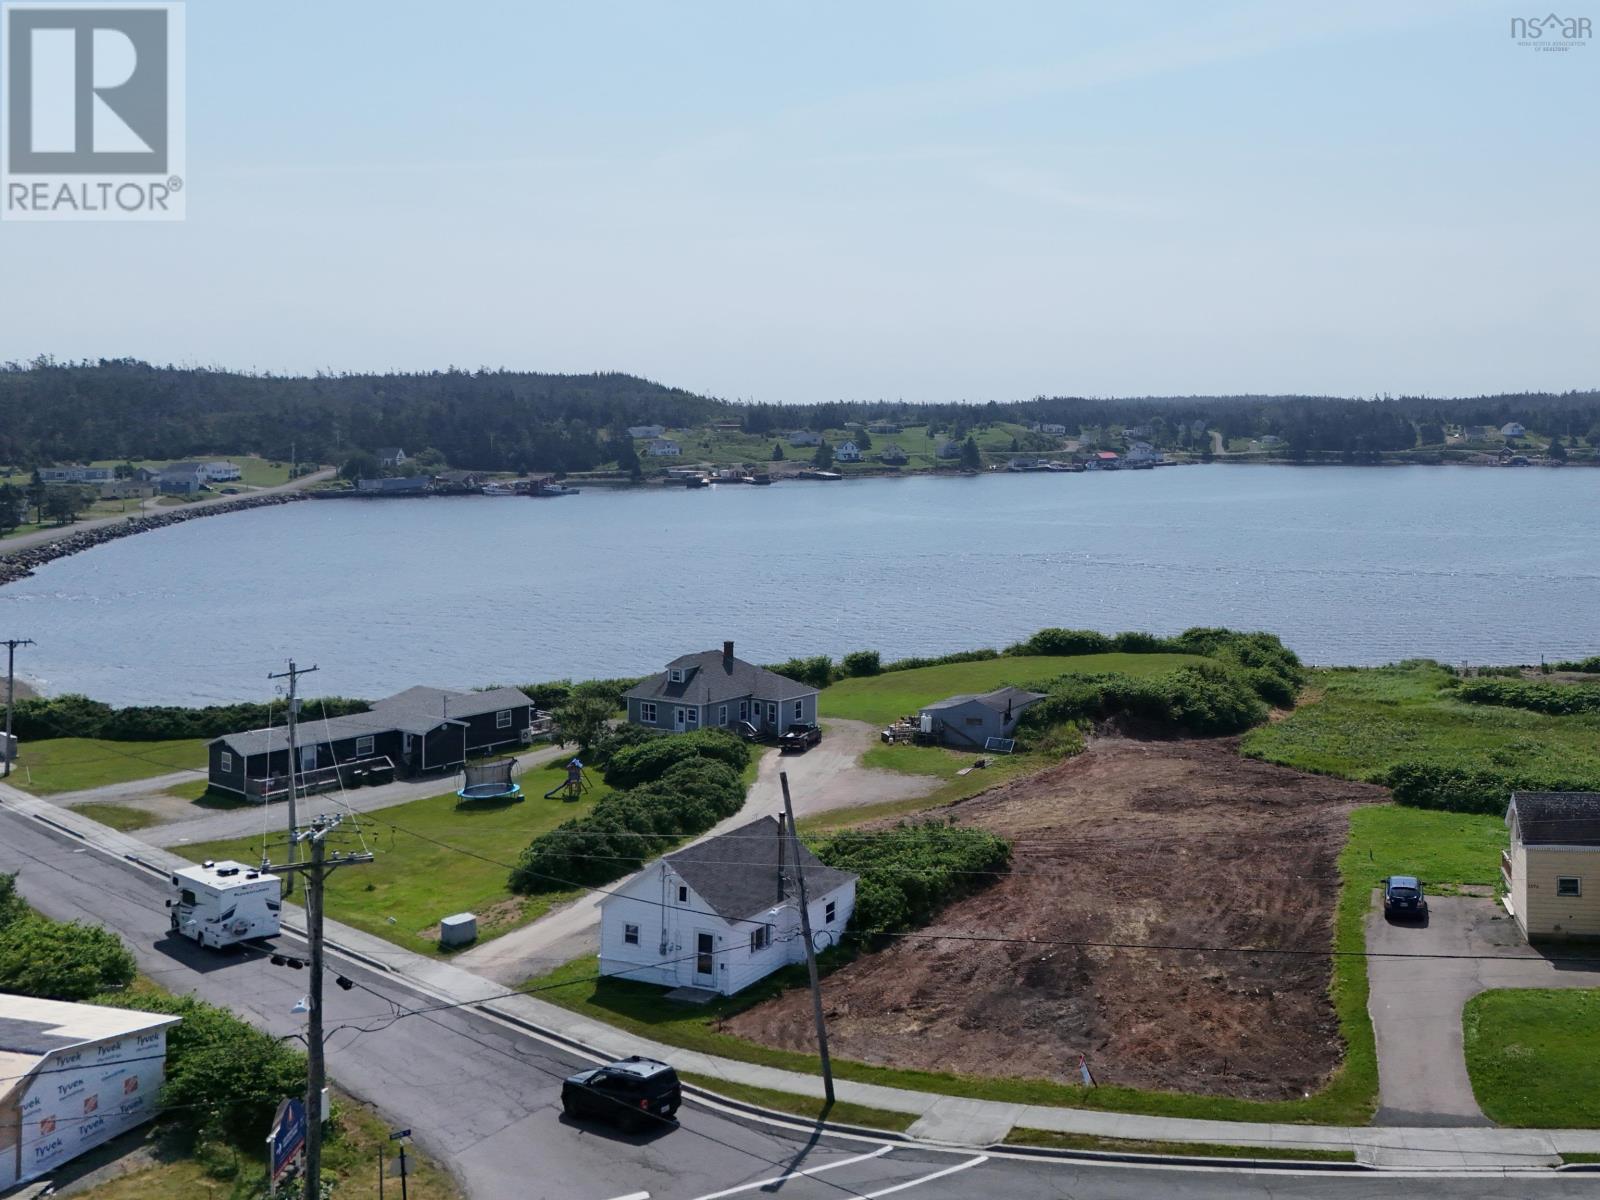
[(727, 656)]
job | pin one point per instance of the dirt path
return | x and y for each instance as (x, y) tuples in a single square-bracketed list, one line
[(1133, 843)]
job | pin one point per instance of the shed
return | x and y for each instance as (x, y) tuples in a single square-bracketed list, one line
[(969, 721), (1552, 869)]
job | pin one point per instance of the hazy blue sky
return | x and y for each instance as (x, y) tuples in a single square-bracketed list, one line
[(805, 201)]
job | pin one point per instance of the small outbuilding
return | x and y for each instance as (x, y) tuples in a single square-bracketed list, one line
[(1552, 869), (968, 722)]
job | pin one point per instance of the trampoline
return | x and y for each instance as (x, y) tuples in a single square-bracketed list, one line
[(489, 780)]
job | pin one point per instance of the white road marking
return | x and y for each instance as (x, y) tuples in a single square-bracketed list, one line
[(761, 1183), (634, 1196), (911, 1183)]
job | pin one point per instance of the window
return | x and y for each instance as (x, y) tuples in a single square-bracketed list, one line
[(630, 934), (974, 720), (502, 719), (722, 714), (772, 713), (647, 713), (829, 913), (760, 938), (744, 710), (694, 716), (683, 894), (364, 746), (1569, 885), (407, 744), (675, 675), (226, 762), (799, 710)]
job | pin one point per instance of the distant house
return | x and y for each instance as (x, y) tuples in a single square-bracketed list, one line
[(722, 913), (646, 431), (127, 489), (1270, 439), (847, 452), (804, 437), (1552, 870), (394, 485), (1141, 452), (969, 721), (390, 457), (77, 474), (221, 471), (1047, 427), (1021, 463), (947, 449), (1137, 431), (417, 731), (664, 448), (458, 479), (884, 427), (1476, 433), (893, 456), (1513, 429), (182, 478), (712, 689)]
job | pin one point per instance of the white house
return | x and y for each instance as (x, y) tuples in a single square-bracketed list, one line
[(76, 474), (848, 452), (1047, 427), (646, 431), (722, 913), (1512, 429), (391, 456), (665, 448), (804, 437), (1552, 869), (71, 1077), (1141, 452), (221, 471)]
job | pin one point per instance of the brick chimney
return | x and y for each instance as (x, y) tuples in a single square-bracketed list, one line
[(727, 656)]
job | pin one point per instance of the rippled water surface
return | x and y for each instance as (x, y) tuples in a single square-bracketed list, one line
[(1348, 565)]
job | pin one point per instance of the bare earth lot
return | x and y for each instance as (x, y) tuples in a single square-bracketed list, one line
[(1170, 842)]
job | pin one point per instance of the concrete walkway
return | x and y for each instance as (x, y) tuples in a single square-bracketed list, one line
[(1416, 1003), (942, 1118), (825, 778)]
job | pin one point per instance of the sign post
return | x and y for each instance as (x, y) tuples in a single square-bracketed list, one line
[(287, 1140)]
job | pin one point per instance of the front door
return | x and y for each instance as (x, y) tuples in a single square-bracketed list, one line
[(308, 758), (705, 967), (680, 719)]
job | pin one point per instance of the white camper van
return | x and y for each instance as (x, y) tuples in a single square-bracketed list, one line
[(220, 903)]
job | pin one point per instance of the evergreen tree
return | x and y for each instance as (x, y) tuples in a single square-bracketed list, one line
[(823, 458), (777, 451), (971, 459)]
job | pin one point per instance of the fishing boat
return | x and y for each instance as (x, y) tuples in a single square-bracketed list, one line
[(555, 489), (499, 489)]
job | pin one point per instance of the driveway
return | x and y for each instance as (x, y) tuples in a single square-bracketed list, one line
[(1416, 1003), (826, 777)]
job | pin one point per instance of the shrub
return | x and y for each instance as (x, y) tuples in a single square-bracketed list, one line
[(1139, 643), (816, 671), (633, 765), (1060, 642), (1202, 699), (1472, 789), (78, 716), (12, 906), (56, 960), (861, 662), (960, 656), (619, 737), (1590, 665), (1553, 699), (583, 719)]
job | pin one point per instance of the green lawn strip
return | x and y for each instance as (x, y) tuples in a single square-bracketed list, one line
[(1573, 1158), (118, 816), (1445, 850), (76, 764), (1051, 1140), (880, 699), (810, 1107), (1531, 1053), (1369, 720), (415, 880), (640, 1009)]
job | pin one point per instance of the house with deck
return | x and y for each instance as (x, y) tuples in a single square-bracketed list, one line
[(968, 722), (221, 471), (1552, 868), (415, 732), (390, 457), (1513, 429), (722, 913), (848, 452), (717, 690)]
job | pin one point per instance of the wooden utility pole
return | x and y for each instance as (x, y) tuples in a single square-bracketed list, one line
[(811, 949), (11, 693), (316, 872), (293, 676)]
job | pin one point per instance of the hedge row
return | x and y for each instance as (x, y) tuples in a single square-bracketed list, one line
[(73, 715), (1200, 699), (631, 765), (56, 960), (1554, 699), (1473, 789)]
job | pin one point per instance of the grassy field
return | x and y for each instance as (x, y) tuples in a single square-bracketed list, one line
[(118, 816), (1445, 850), (73, 764), (1051, 1140), (1531, 1054), (435, 859), (1368, 720), (880, 699)]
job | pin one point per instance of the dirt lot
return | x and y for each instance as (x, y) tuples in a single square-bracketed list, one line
[(1168, 842)]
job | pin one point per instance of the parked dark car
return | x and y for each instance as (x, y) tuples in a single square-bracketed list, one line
[(1402, 896), (636, 1093), (800, 737)]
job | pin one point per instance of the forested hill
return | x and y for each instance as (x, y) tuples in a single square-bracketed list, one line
[(508, 420)]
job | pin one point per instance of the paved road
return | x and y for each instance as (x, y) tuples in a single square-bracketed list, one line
[(1416, 1003), (484, 1099)]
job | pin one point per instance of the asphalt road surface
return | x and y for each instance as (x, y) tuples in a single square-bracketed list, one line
[(484, 1100)]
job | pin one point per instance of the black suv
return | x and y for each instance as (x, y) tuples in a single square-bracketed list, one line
[(636, 1093), (1402, 896)]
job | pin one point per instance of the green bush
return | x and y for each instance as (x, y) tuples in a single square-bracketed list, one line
[(1590, 665), (1139, 643), (816, 671), (861, 662), (1473, 789), (56, 960), (644, 761), (1060, 642), (78, 716), (960, 656), (12, 906), (1203, 699), (1552, 699)]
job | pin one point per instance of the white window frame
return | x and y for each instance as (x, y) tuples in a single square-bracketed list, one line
[(692, 720), (1577, 886), (365, 745), (772, 712), (674, 674), (630, 935), (407, 743), (502, 719), (744, 710), (722, 714), (760, 938), (647, 712), (830, 912), (225, 762), (799, 710)]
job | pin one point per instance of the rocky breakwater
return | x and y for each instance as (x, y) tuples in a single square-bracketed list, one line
[(20, 564)]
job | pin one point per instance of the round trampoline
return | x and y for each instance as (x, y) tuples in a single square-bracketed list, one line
[(489, 781)]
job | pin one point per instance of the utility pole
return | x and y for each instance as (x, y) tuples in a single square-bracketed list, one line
[(293, 676), (11, 645), (811, 949), (316, 872)]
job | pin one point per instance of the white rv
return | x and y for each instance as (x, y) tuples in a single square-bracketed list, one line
[(220, 903)]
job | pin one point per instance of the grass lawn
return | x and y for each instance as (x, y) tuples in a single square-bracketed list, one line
[(118, 816), (73, 764), (415, 880), (1082, 1141), (810, 1107), (1531, 1054), (881, 699), (639, 1008), (1369, 720), (1443, 849)]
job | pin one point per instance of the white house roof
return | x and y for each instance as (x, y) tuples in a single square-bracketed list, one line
[(31, 1029), (736, 873)]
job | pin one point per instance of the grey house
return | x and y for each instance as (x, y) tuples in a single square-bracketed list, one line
[(718, 690), (969, 721)]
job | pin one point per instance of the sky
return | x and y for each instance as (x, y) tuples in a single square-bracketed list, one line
[(800, 200)]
